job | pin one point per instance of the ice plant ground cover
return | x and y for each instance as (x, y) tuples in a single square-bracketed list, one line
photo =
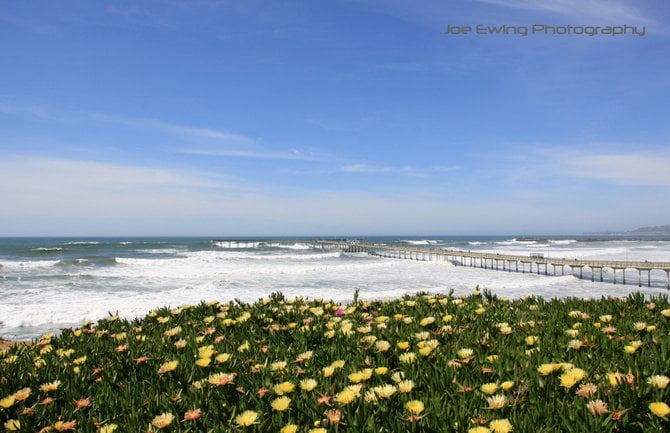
[(423, 363)]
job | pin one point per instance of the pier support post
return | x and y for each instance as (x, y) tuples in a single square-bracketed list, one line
[(639, 278), (623, 271), (649, 278)]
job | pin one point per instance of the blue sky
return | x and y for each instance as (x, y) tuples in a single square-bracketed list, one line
[(209, 117)]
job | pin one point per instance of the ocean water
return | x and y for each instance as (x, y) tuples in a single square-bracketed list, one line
[(47, 284)]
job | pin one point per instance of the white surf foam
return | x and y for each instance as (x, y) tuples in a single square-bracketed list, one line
[(31, 264)]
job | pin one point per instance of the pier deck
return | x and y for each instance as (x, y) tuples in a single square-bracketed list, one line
[(506, 262)]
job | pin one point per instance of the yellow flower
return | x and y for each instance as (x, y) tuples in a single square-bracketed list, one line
[(163, 420), (328, 371), (571, 377), (380, 371), (407, 358), (109, 428), (575, 344), (489, 388), (305, 356), (203, 362), (338, 364), (500, 426), (168, 366), (246, 418), (666, 312), (427, 321), (346, 396), (220, 379), (13, 425), (318, 430), (79, 361), (221, 358), (614, 379), (659, 409), (173, 331), (243, 348), (658, 381), (547, 369), (405, 386), (384, 391), (382, 345), (284, 388), (507, 385), (8, 401), (289, 428), (278, 366), (403, 345), (414, 407), (206, 351), (308, 384), (531, 340), (398, 376), (505, 330), (465, 353), (51, 386), (480, 311), (497, 401), (356, 377), (280, 404), (425, 351), (370, 397)]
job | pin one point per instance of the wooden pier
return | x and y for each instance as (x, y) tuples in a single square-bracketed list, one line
[(505, 262)]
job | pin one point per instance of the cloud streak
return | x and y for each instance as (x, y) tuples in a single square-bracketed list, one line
[(611, 10), (625, 169), (75, 116)]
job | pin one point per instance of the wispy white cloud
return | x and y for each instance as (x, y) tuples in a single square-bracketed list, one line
[(388, 169), (34, 186), (75, 116), (626, 169), (611, 10), (259, 153)]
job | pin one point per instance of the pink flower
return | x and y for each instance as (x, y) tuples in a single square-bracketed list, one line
[(339, 312)]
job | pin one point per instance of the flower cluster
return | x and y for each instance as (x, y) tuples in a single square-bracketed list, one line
[(429, 362)]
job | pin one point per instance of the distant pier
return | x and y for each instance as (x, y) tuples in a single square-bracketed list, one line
[(505, 262), (240, 243)]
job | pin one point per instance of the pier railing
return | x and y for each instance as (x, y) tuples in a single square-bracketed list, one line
[(506, 262)]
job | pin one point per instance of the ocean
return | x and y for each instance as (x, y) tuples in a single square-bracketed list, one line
[(50, 283)]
